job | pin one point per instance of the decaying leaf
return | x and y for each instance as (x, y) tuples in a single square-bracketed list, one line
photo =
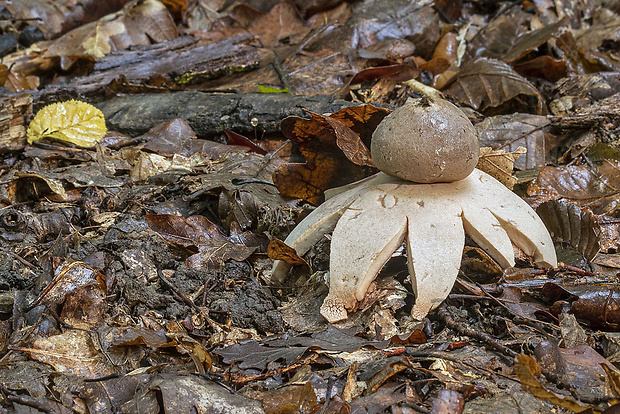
[(253, 354), (199, 395), (577, 368), (335, 147), (527, 370), (71, 122), (509, 132), (15, 110), (595, 304), (199, 235), (68, 278), (595, 187), (73, 352)]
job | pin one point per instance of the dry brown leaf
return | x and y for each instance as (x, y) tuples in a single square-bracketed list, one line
[(572, 224), (280, 24), (493, 87), (499, 164), (56, 17), (139, 23)]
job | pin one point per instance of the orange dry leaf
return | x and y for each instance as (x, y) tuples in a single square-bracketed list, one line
[(278, 250), (335, 147)]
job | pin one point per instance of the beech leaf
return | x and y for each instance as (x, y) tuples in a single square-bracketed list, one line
[(71, 122)]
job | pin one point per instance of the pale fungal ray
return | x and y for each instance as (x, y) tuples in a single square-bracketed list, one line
[(524, 227), (371, 221), (322, 221), (364, 239)]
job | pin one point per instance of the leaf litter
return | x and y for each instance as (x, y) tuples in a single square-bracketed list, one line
[(137, 265)]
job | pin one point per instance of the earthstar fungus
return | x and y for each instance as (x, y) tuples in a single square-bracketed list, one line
[(428, 195)]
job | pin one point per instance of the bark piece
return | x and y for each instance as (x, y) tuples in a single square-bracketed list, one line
[(15, 111)]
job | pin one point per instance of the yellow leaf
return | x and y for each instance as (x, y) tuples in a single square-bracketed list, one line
[(71, 122)]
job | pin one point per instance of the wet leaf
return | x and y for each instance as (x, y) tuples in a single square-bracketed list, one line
[(544, 67), (493, 87), (595, 187), (335, 148), (578, 368), (527, 369), (292, 398), (596, 305), (449, 9), (71, 122)]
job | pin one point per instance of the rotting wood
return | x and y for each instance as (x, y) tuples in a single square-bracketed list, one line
[(185, 60), (15, 112), (209, 113)]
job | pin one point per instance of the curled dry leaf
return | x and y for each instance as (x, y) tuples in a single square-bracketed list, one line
[(572, 224), (71, 122), (335, 147), (278, 250)]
